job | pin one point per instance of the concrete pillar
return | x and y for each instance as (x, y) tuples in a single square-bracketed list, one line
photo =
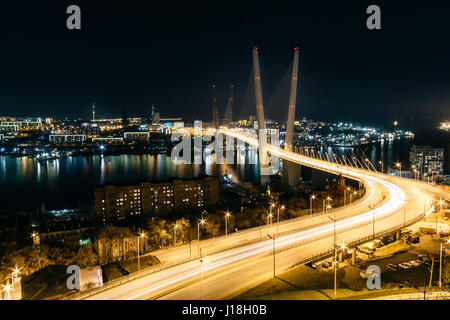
[(397, 235), (354, 256), (341, 255)]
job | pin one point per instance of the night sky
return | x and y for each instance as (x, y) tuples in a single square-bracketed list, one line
[(130, 54)]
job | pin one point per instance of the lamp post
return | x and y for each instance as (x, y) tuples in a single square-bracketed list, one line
[(269, 220), (335, 254), (440, 202), (14, 274), (345, 193), (373, 218), (273, 251), (203, 263), (142, 235), (7, 288), (381, 165), (399, 165), (175, 235), (395, 126), (202, 222), (278, 216), (227, 215), (440, 262), (311, 199), (34, 235)]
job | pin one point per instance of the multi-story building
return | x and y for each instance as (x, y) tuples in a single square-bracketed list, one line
[(118, 202), (136, 135), (427, 160), (67, 138)]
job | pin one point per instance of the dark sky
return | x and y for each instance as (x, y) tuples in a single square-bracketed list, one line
[(130, 54)]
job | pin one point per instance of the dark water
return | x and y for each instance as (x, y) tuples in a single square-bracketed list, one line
[(69, 183)]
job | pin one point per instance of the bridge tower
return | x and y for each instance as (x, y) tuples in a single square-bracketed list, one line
[(263, 160), (292, 102), (228, 116), (215, 110)]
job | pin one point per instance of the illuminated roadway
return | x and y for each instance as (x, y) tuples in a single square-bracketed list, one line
[(241, 260)]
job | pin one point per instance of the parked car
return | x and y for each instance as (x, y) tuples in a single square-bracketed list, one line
[(415, 239), (414, 263), (404, 265), (393, 267), (420, 262)]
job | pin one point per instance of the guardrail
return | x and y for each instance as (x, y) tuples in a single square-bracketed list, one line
[(330, 252)]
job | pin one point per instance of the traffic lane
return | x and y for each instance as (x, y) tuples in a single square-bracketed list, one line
[(246, 275), (315, 248), (216, 244)]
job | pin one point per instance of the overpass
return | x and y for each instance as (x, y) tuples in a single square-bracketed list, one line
[(239, 261)]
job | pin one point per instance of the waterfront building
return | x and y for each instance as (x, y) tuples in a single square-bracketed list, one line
[(427, 160), (118, 202), (108, 139), (136, 135), (67, 138)]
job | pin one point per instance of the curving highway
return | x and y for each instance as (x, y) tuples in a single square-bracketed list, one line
[(241, 260)]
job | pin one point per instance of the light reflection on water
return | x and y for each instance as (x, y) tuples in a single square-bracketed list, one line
[(69, 183)]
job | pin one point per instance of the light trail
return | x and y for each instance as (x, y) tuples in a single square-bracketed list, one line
[(159, 283)]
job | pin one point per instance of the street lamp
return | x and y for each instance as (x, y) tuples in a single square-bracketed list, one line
[(34, 235), (227, 215), (373, 217), (381, 165), (7, 288), (311, 203), (202, 222), (278, 216), (440, 263), (142, 235), (335, 254), (273, 251), (395, 125), (269, 220), (203, 263), (440, 202), (15, 274), (399, 165), (328, 207), (175, 235)]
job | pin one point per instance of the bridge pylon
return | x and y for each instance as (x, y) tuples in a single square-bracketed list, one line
[(263, 159), (292, 102)]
